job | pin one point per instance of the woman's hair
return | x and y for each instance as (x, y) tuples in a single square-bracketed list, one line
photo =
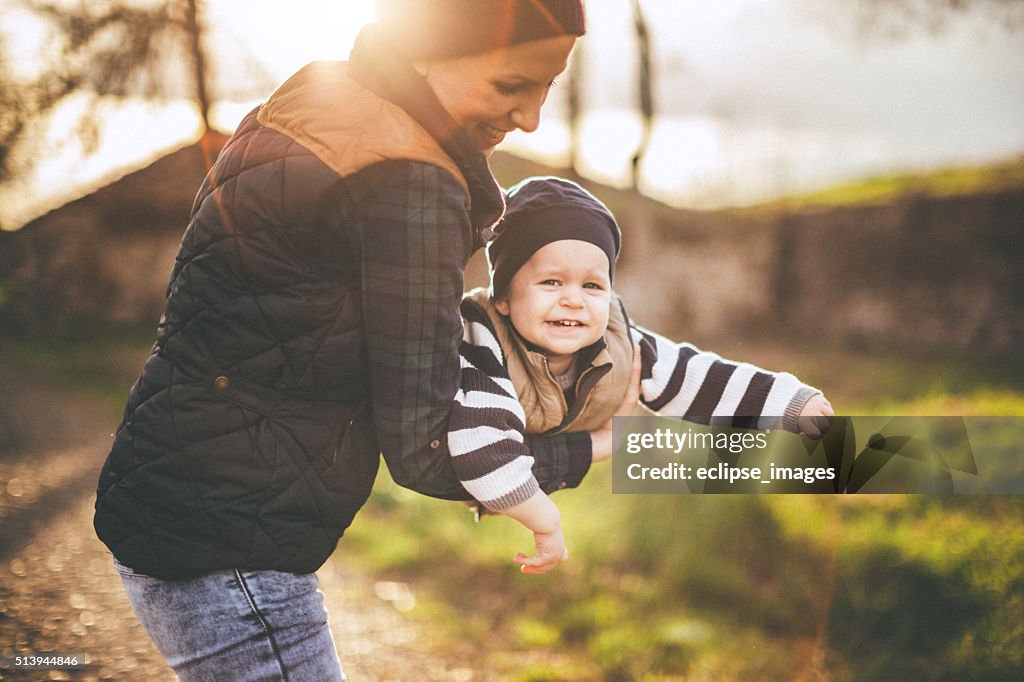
[(444, 29)]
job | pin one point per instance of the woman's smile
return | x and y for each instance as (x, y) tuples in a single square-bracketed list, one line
[(492, 136)]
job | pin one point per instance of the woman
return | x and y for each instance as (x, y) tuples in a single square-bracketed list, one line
[(312, 322)]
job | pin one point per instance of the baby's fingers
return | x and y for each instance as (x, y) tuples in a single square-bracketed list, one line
[(826, 408), (814, 427), (539, 563), (816, 418)]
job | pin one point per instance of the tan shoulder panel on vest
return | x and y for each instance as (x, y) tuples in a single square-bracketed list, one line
[(345, 125)]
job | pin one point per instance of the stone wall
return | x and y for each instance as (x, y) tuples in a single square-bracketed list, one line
[(922, 273), (107, 255)]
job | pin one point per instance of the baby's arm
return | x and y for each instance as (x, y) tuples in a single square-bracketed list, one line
[(681, 380), (541, 516), (490, 454), (492, 462)]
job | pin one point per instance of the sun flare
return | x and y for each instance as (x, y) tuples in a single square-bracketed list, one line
[(284, 37)]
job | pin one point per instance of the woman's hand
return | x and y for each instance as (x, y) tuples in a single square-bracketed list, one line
[(601, 440), (816, 418)]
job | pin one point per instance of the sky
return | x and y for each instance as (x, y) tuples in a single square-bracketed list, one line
[(755, 98)]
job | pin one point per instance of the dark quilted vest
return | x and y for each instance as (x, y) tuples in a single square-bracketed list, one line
[(247, 440)]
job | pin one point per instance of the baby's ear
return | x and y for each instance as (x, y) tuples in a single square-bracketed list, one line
[(501, 305)]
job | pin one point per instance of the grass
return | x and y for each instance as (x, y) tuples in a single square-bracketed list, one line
[(893, 383), (945, 182), (780, 587), (723, 587), (99, 361)]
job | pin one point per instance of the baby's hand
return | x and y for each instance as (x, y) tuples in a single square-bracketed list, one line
[(551, 551), (541, 516), (816, 418)]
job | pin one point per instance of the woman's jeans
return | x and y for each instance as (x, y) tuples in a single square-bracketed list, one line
[(237, 625)]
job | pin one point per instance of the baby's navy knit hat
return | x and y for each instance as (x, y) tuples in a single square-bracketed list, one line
[(443, 29), (542, 210)]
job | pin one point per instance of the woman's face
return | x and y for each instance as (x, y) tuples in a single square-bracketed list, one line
[(493, 93)]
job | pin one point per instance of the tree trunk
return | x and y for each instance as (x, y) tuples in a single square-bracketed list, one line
[(194, 28), (645, 81)]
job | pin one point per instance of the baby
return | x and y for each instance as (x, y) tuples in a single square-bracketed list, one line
[(549, 349)]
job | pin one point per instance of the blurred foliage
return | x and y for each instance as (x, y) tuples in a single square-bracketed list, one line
[(896, 383), (153, 49), (95, 358), (98, 48), (718, 587)]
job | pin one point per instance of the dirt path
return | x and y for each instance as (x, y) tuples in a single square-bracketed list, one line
[(59, 592)]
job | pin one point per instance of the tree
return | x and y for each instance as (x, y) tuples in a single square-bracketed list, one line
[(575, 106), (645, 81), (152, 50)]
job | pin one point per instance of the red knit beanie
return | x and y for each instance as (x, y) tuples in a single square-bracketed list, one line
[(443, 29)]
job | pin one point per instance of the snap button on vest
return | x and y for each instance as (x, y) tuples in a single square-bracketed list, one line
[(222, 383), (435, 444)]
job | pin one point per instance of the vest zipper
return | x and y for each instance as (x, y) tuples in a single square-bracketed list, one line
[(569, 417), (579, 380), (561, 395)]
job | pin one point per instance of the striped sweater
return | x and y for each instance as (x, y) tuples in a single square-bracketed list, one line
[(486, 433)]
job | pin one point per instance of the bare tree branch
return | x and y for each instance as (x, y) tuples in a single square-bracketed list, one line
[(124, 49)]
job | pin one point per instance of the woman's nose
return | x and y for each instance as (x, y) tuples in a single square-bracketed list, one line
[(526, 116)]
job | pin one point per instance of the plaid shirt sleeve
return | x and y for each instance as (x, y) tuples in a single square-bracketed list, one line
[(415, 240)]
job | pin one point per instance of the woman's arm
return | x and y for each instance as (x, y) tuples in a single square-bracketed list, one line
[(414, 239)]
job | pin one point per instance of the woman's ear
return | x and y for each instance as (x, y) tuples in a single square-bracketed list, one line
[(501, 305)]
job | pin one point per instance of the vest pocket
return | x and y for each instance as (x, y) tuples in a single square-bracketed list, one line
[(353, 464)]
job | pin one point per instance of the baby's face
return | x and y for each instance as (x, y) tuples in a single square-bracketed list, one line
[(559, 299)]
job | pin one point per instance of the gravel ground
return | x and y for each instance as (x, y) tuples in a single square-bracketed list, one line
[(60, 594)]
